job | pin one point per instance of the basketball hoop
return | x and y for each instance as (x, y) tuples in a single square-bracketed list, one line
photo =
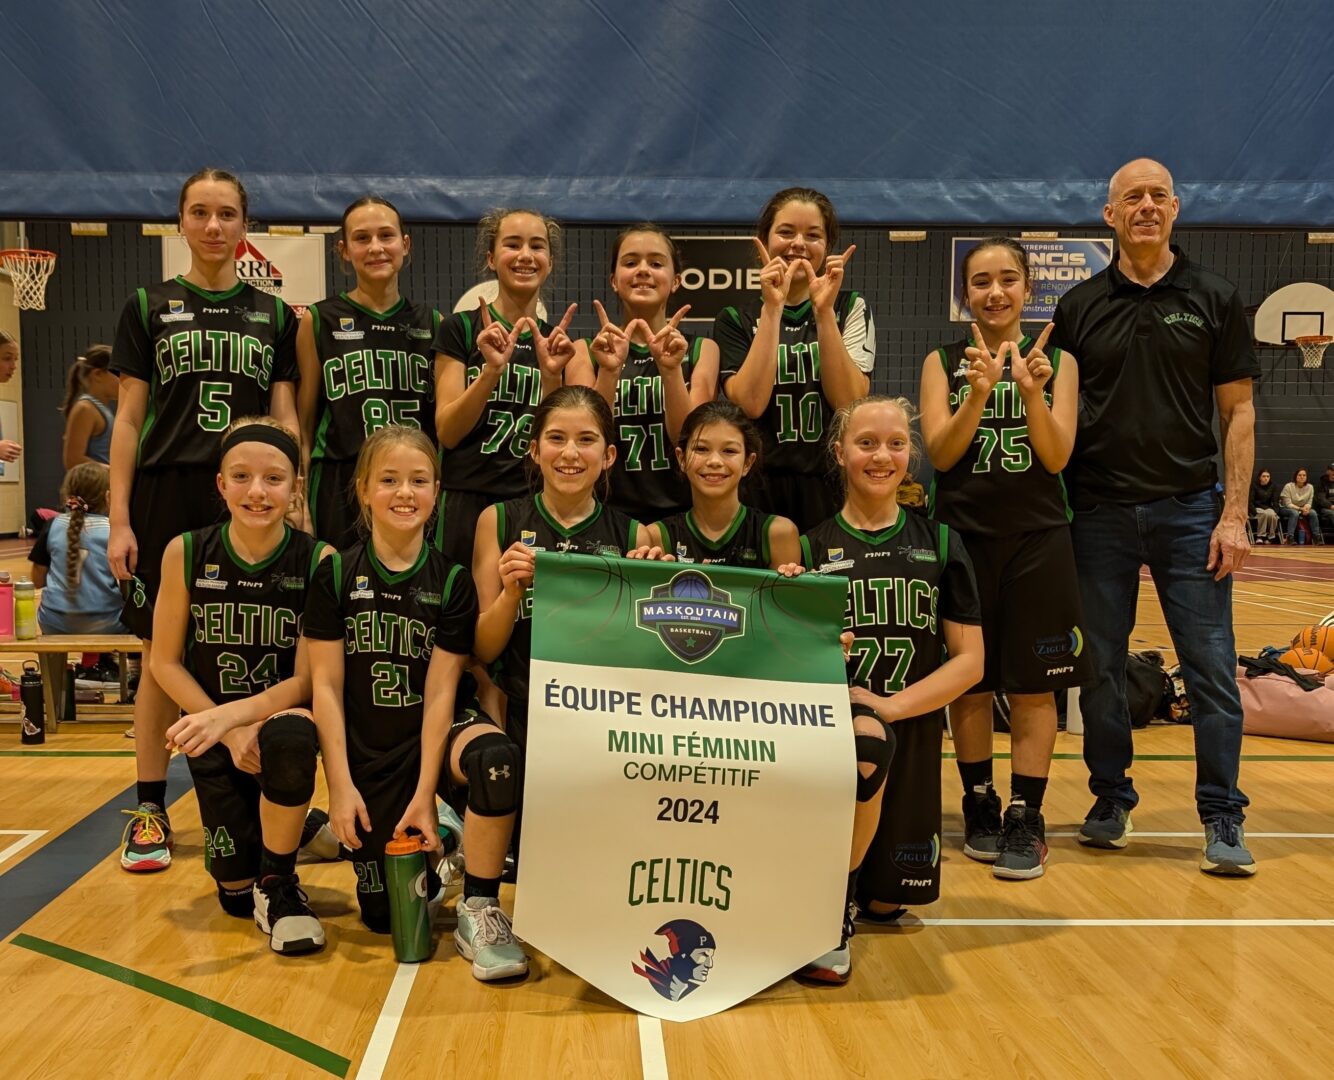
[(28, 269), (1313, 348)]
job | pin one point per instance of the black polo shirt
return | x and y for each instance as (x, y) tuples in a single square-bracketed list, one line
[(1149, 360)]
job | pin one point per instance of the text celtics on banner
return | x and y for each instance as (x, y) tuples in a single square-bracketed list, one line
[(690, 779)]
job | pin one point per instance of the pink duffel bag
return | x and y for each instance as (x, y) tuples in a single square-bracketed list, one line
[(1275, 705)]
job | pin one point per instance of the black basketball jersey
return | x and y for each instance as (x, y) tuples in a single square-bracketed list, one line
[(244, 619), (389, 622), (998, 487), (207, 358), (490, 458), (606, 531), (901, 582), (745, 543), (644, 478), (798, 414), (376, 369)]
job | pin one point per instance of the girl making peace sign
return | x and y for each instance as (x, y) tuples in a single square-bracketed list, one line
[(998, 418), (806, 349)]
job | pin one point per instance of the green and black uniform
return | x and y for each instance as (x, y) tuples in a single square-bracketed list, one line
[(240, 640), (1014, 517), (488, 463), (390, 623), (645, 480), (745, 543), (796, 481), (606, 531), (376, 369), (208, 358), (903, 582)]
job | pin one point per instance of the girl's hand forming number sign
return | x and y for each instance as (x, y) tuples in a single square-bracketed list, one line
[(824, 289), (495, 343), (668, 345), (556, 349), (612, 344), (1031, 372), (775, 276), (984, 370)]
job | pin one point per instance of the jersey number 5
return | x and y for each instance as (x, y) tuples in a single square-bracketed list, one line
[(215, 411)]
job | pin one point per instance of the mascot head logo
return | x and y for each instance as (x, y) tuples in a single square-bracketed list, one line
[(687, 963)]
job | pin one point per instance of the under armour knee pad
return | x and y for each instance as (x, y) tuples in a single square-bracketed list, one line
[(494, 772), (876, 752), (287, 747), (238, 902)]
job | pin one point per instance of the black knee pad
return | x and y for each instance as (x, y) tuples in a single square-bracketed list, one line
[(876, 752), (287, 747), (494, 772), (238, 902)]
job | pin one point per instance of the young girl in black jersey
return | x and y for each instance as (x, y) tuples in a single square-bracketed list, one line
[(911, 598), (191, 354), (390, 626), (226, 649), (649, 372), (806, 349), (998, 417), (495, 367), (366, 362), (718, 446), (573, 447)]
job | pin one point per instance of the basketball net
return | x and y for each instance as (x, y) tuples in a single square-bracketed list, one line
[(28, 270), (1313, 349)]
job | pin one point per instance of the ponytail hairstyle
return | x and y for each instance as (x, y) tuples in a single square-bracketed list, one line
[(721, 411), (572, 397), (376, 446), (97, 358), (488, 235), (838, 430), (84, 491)]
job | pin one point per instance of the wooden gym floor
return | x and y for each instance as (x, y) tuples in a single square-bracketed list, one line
[(1114, 964)]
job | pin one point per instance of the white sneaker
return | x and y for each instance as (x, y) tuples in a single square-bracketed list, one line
[(282, 912), (484, 936), (318, 843)]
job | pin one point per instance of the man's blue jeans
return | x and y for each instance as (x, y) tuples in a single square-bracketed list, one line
[(1171, 537)]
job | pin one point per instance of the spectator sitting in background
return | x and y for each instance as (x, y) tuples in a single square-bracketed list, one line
[(69, 560), (9, 363), (90, 407), (1264, 508), (911, 494), (1324, 499), (1297, 503)]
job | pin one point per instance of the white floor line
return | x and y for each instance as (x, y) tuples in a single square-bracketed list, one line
[(1126, 922), (386, 1026), (26, 837), (652, 1054), (1199, 834)]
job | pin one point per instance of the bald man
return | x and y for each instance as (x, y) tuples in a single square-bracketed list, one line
[(1163, 346)]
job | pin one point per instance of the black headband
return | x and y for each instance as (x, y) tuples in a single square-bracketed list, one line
[(263, 433)]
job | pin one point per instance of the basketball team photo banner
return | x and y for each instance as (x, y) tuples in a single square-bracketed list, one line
[(690, 757)]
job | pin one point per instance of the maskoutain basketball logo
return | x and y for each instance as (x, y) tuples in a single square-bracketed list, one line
[(688, 961), (690, 616)]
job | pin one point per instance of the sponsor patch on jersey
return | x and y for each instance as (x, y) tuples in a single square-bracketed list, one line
[(423, 597), (922, 555), (835, 554), (362, 590), (292, 583), (210, 578), (527, 537), (416, 333), (256, 317), (683, 554), (176, 312), (347, 330), (212, 570)]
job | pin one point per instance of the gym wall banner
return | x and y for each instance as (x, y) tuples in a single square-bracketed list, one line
[(291, 266), (1057, 266), (689, 781), (720, 271)]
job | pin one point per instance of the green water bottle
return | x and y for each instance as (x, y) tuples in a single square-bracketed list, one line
[(405, 878)]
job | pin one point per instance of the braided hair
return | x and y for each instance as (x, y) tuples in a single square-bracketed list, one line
[(84, 491)]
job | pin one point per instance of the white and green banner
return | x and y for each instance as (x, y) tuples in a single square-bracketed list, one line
[(690, 779)]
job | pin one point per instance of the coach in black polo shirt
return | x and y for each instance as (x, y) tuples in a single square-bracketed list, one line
[(1163, 345)]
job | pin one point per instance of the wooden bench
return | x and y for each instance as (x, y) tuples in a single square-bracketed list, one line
[(52, 652)]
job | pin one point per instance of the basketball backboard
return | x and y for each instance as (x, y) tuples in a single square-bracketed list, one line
[(1295, 310)]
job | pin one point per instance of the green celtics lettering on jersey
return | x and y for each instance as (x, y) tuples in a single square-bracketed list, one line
[(245, 618), (998, 486), (376, 369), (207, 357), (490, 458), (798, 414), (895, 582)]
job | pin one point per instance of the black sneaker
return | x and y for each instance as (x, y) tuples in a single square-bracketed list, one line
[(283, 912), (1107, 825), (1023, 844), (981, 825)]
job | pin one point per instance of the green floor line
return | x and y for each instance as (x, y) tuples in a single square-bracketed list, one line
[(67, 754), (258, 1029), (1177, 757)]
